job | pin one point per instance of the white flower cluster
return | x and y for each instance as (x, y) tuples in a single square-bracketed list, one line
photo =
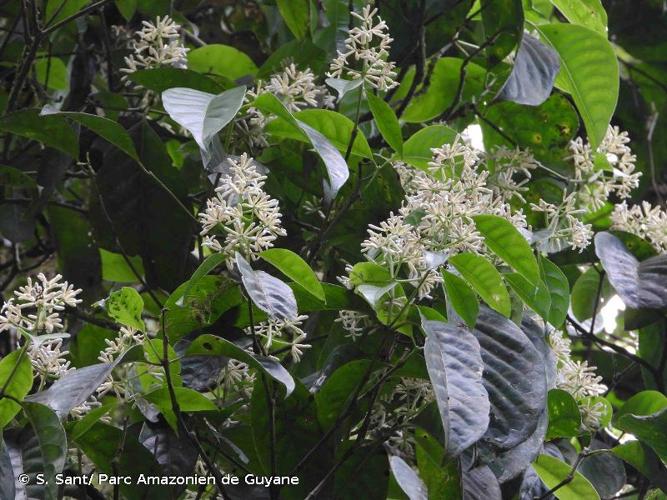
[(396, 408), (564, 228), (236, 376), (287, 330), (579, 379), (156, 45), (241, 217), (643, 220), (35, 310), (506, 166), (297, 89), (353, 322), (127, 337), (436, 217), (368, 44), (610, 169)]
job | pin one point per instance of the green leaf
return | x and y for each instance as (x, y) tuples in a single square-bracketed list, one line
[(105, 128), (535, 296), (16, 381), (642, 458), (48, 454), (201, 113), (441, 92), (188, 401), (336, 127), (506, 242), (485, 279), (58, 10), (295, 268), (332, 398), (127, 8), (210, 345), (154, 353), (417, 149), (587, 13), (642, 403), (296, 15), (221, 60), (52, 73), (584, 294), (559, 290), (386, 122), (502, 19), (553, 471), (589, 71), (125, 306), (161, 79), (52, 131), (461, 297), (115, 267), (335, 164), (564, 415), (650, 429)]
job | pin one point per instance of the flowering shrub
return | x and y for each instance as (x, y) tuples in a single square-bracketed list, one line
[(297, 249)]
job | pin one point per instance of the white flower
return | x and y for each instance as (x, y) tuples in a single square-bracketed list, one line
[(296, 89), (643, 220), (241, 217), (48, 359), (127, 337), (353, 322), (285, 328), (579, 379), (369, 45), (595, 181), (564, 227), (157, 45), (36, 306)]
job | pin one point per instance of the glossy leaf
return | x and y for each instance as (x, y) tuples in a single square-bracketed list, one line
[(640, 285), (514, 377), (16, 381), (201, 113), (222, 60), (210, 345), (461, 297), (552, 471), (386, 122), (559, 291), (408, 479), (588, 13), (535, 68), (417, 148), (564, 415), (268, 293), (334, 162), (506, 242), (485, 279), (295, 13), (455, 368), (589, 72), (536, 296), (295, 268)]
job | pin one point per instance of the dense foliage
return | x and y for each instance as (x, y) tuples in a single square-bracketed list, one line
[(403, 249)]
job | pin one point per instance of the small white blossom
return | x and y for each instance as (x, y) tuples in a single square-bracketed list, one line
[(564, 227), (285, 329), (353, 322), (297, 89), (579, 379), (642, 220), (127, 337), (157, 44), (241, 217), (367, 46)]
